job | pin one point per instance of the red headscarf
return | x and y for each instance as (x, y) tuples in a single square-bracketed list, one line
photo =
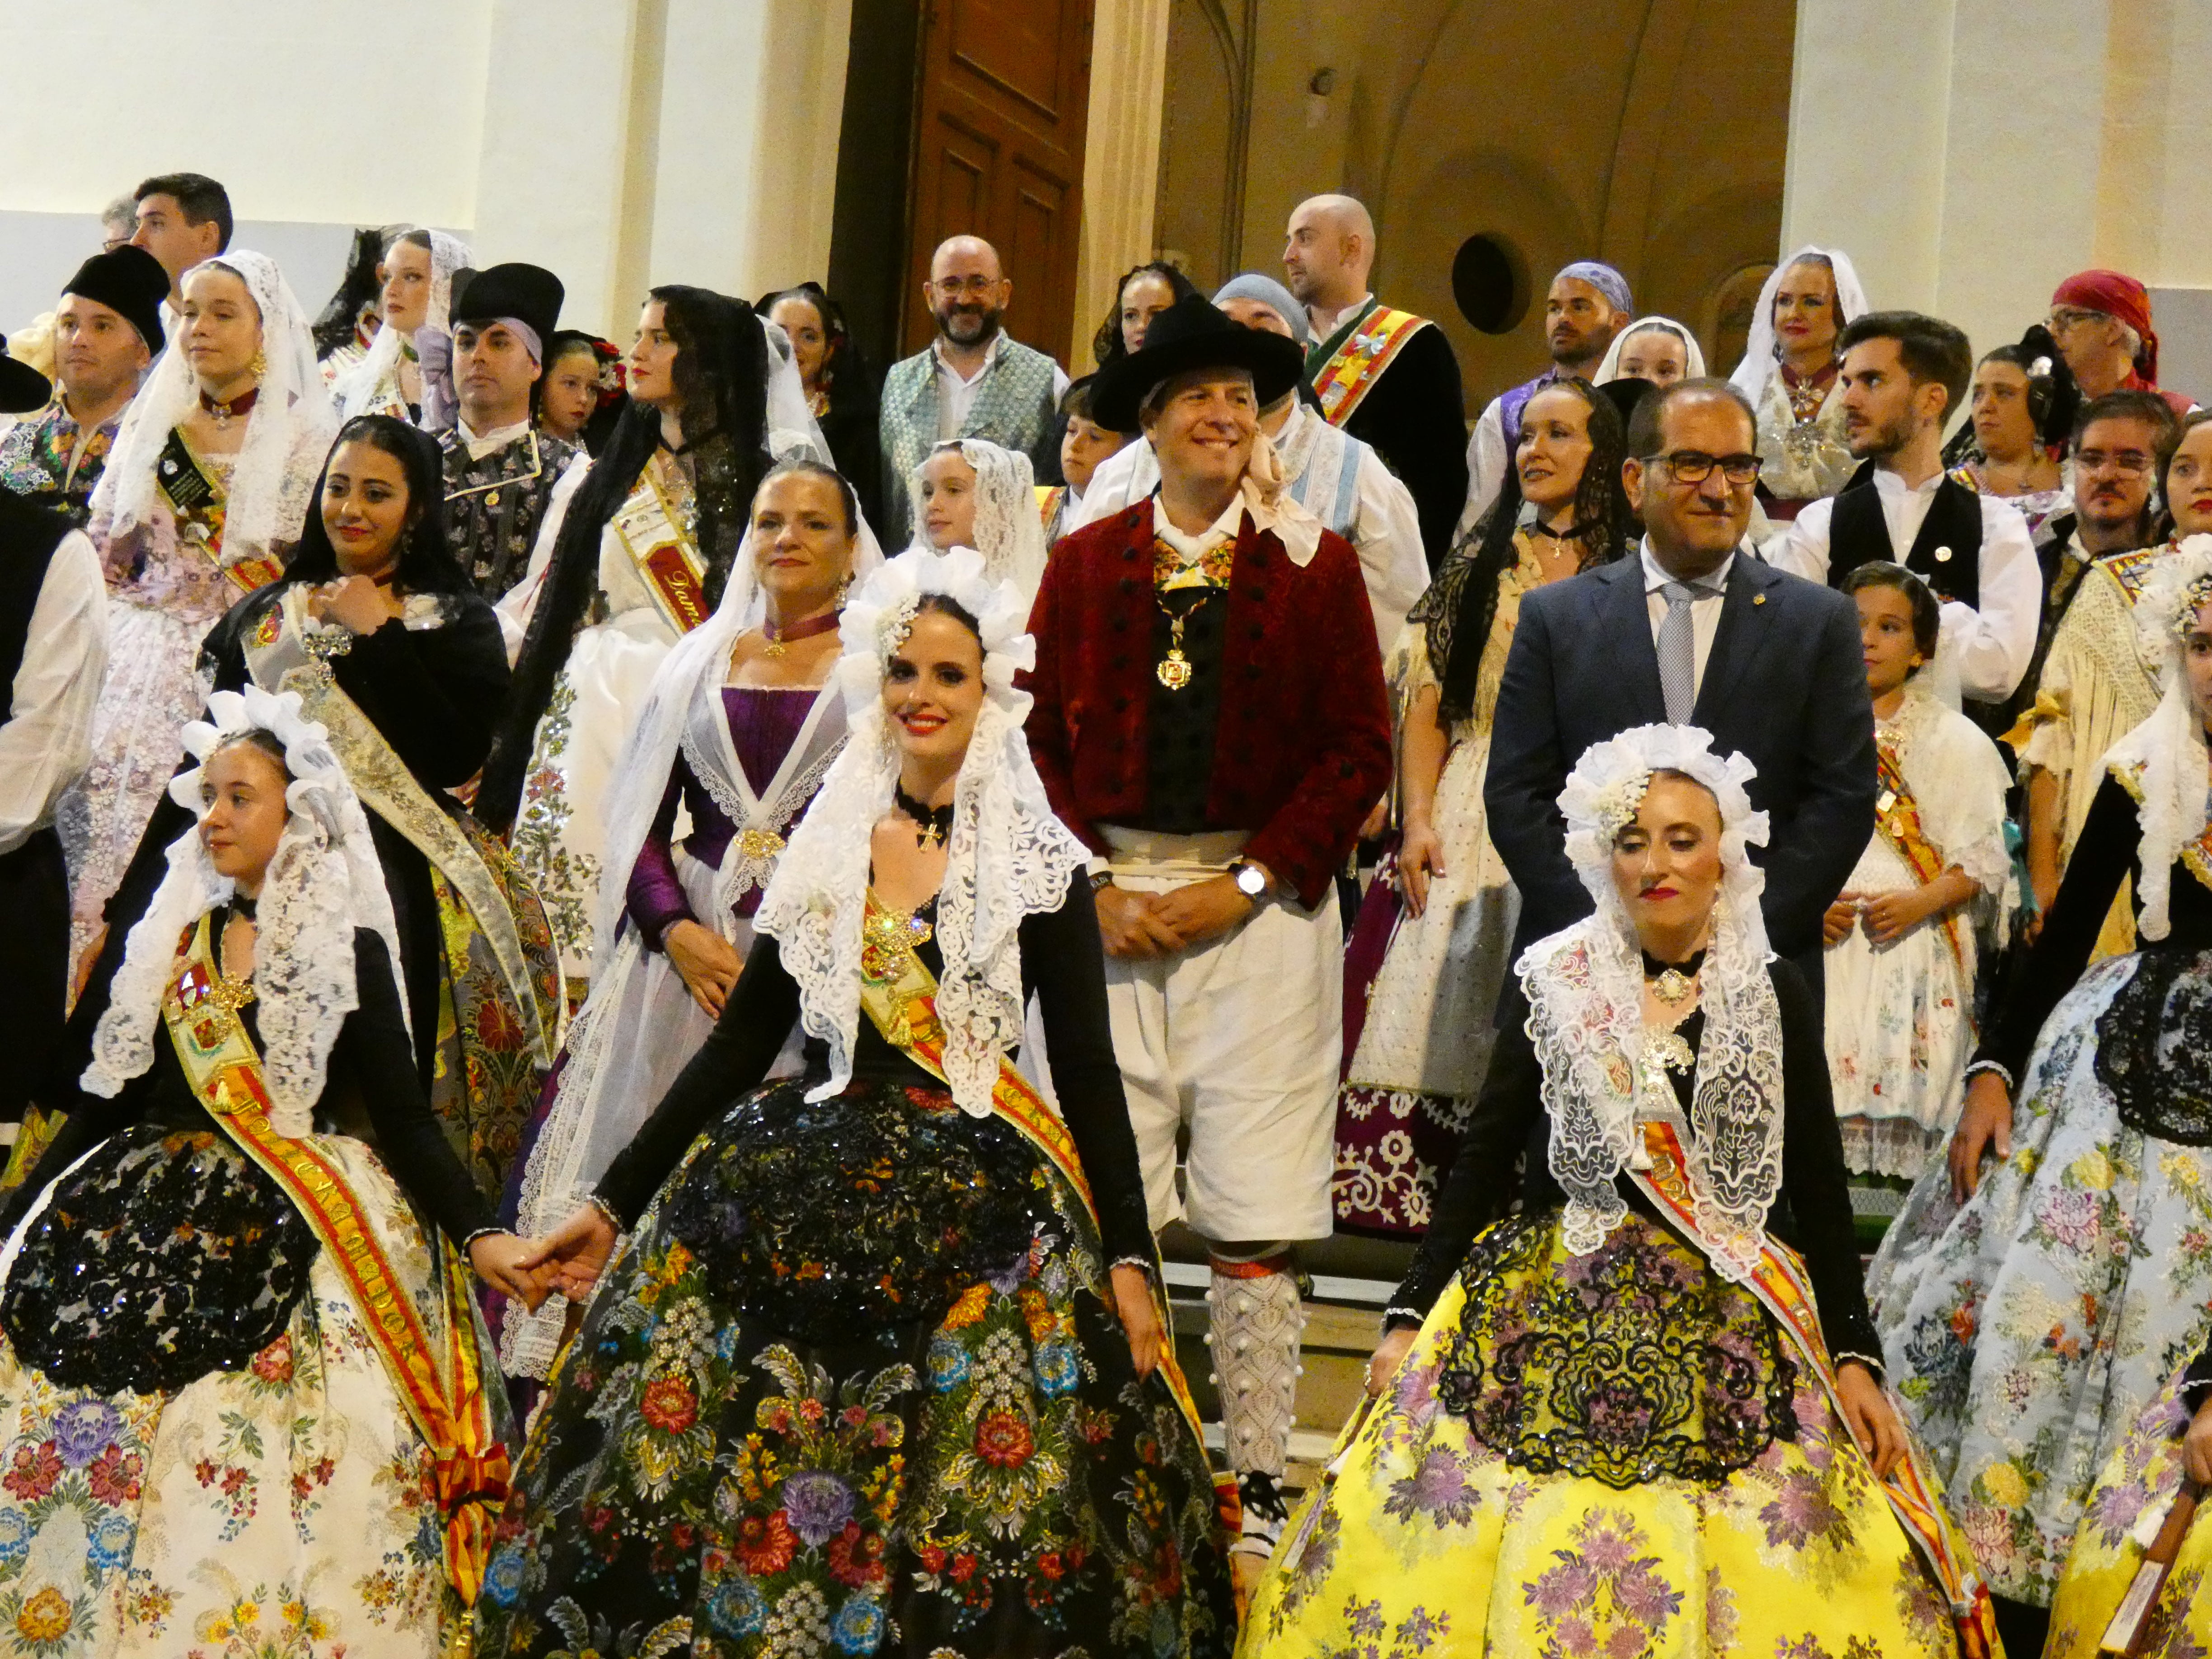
[(2119, 296)]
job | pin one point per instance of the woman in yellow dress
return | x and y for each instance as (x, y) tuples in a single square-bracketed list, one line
[(1610, 1423)]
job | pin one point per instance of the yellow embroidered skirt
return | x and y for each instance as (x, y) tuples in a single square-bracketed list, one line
[(2130, 1497), (1653, 1476)]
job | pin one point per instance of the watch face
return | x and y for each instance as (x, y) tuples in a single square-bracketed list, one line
[(1250, 881)]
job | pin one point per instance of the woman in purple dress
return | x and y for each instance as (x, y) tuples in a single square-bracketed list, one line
[(742, 721)]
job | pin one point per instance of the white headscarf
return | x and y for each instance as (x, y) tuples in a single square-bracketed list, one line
[(268, 497), (2167, 750), (1009, 855), (1759, 361), (1009, 532), (325, 882), (699, 664), (372, 382), (1585, 985), (1693, 355)]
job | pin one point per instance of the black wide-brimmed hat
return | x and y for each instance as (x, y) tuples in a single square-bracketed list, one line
[(130, 281), (1193, 334), (530, 293), (22, 388)]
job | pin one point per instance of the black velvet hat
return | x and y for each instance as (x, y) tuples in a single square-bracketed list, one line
[(530, 293), (1193, 334), (22, 388), (131, 282)]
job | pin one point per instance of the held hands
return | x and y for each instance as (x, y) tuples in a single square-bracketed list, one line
[(1142, 924), (1985, 1124), (572, 1256), (1140, 1318), (707, 963), (1872, 1419), (502, 1262), (1836, 924), (1420, 860), (354, 602)]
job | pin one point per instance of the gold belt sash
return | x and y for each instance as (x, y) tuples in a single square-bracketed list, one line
[(898, 994), (1351, 371), (441, 1384), (666, 557), (1780, 1284), (277, 656)]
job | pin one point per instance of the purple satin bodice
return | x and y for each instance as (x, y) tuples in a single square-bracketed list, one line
[(764, 722)]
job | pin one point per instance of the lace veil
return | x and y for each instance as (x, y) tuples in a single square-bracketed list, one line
[(1759, 361), (1009, 531), (1009, 856), (2167, 750), (369, 383), (695, 669), (323, 883), (1585, 986), (268, 496)]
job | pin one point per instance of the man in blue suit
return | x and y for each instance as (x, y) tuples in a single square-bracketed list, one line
[(1692, 628)]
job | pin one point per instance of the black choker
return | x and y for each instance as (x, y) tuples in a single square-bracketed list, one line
[(241, 906), (933, 825), (1672, 982), (1573, 532)]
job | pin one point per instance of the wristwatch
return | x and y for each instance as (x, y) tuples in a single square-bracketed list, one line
[(1251, 880)]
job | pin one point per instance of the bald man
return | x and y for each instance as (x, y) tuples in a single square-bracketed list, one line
[(973, 381), (1386, 377)]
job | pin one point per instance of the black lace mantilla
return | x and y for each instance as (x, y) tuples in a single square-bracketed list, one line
[(1632, 1364), (877, 1207), (165, 1255), (2154, 1046)]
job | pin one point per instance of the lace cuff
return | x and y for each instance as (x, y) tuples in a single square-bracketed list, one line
[(613, 1219), (483, 1232), (1881, 1372), (1999, 1068), (1986, 862), (2049, 747), (1396, 1317)]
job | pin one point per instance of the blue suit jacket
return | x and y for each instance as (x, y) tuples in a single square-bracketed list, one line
[(1785, 685)]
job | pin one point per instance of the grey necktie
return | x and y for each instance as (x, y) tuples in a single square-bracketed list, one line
[(1678, 652)]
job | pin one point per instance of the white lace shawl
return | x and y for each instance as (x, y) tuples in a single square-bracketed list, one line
[(688, 682), (1959, 782), (1693, 355), (372, 385), (1585, 986), (1009, 855), (290, 421), (1759, 361), (1009, 531), (2167, 752), (325, 882)]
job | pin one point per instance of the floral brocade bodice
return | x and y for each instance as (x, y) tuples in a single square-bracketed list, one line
[(173, 564)]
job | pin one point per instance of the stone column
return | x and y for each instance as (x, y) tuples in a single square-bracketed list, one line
[(1121, 156)]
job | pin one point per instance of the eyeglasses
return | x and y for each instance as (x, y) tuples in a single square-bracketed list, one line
[(2128, 463), (1694, 466), (953, 286), (2065, 316)]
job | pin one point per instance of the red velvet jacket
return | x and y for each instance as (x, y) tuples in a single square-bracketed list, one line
[(1302, 752)]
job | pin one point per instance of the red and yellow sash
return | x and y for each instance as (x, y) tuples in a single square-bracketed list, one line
[(1897, 815), (1049, 498), (1356, 365), (441, 1384), (1780, 1284), (665, 555), (899, 995), (201, 509)]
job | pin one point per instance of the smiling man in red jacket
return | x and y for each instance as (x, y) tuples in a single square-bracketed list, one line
[(1211, 719)]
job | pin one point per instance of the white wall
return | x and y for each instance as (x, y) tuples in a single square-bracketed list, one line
[(619, 142)]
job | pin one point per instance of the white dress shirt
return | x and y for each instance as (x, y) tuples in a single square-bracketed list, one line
[(956, 392), (1385, 529), (1993, 642), (1704, 609), (45, 743)]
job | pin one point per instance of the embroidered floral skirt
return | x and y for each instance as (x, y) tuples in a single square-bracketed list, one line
[(1427, 1037), (2027, 1329), (855, 1385), (281, 1501), (1610, 1455), (2133, 1492)]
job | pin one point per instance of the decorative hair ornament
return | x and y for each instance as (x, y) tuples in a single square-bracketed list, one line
[(2165, 757), (1008, 854), (323, 883), (1585, 985)]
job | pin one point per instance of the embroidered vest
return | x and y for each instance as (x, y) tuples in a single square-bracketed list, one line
[(1013, 408), (1946, 553), (34, 462), (495, 505)]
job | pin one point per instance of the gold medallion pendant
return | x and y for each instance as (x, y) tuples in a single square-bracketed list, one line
[(1174, 671), (1674, 987)]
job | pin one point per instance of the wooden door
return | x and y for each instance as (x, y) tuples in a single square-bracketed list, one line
[(1005, 92)]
